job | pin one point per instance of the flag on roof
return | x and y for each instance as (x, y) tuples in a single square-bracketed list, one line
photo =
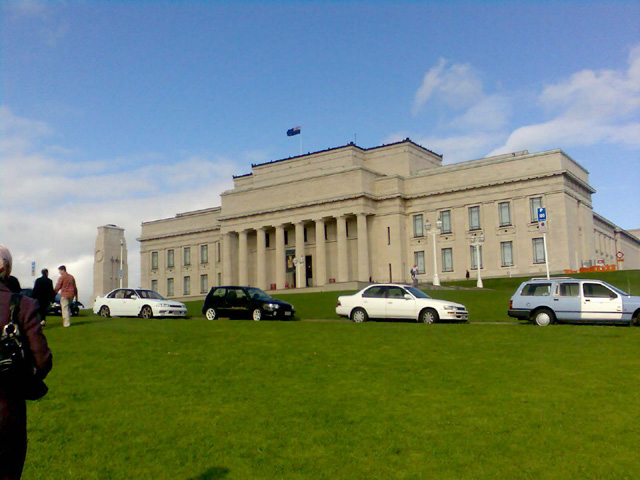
[(293, 131)]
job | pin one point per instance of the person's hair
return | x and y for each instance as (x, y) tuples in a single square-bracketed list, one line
[(63, 268), (5, 262), (44, 271)]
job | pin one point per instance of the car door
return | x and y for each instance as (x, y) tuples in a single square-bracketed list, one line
[(237, 302), (373, 301), (217, 300), (397, 306), (600, 303), (567, 301), (129, 304), (115, 303)]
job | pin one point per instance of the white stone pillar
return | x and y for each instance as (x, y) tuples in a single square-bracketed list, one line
[(227, 272), (343, 259), (261, 265), (281, 266), (301, 275), (320, 263), (243, 259), (363, 249)]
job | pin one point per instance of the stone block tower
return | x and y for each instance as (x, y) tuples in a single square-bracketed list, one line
[(110, 266)]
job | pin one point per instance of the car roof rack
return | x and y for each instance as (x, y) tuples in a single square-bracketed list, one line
[(554, 278)]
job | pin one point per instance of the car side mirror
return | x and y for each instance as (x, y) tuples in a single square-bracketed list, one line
[(613, 295), (407, 296)]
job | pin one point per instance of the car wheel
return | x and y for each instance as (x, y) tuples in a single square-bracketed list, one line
[(104, 312), (359, 315), (257, 315), (146, 312), (543, 317), (211, 314), (429, 315), (635, 321)]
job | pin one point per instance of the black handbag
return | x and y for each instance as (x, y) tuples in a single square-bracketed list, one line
[(17, 369)]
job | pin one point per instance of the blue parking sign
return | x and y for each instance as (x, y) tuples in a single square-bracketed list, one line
[(542, 214)]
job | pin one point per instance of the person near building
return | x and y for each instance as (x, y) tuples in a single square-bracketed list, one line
[(66, 285), (414, 275), (13, 411), (43, 292)]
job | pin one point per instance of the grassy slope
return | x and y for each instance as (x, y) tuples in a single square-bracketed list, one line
[(198, 400)]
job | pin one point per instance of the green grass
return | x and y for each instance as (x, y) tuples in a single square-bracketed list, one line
[(198, 400)]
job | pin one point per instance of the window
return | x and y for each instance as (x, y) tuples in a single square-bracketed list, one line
[(204, 253), (186, 251), (204, 283), (447, 260), (535, 203), (375, 292), (538, 250), (536, 290), (445, 218), (186, 286), (418, 259), (569, 289), (474, 218), (595, 290), (506, 254), (170, 258), (304, 235), (218, 253), (154, 285), (475, 252), (169, 287), (388, 235), (504, 214), (418, 226), (154, 260), (286, 237), (267, 240)]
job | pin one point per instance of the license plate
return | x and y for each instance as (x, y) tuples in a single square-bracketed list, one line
[(287, 314)]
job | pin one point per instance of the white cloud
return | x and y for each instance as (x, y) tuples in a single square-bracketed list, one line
[(590, 107), (53, 206), (457, 85)]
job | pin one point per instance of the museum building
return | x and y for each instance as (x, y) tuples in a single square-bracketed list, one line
[(345, 216)]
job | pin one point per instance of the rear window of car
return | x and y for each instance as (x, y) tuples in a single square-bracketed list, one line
[(375, 292), (536, 289)]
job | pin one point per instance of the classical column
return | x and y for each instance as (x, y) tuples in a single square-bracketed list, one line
[(281, 266), (243, 260), (343, 260), (301, 276), (363, 249), (261, 270), (227, 272), (320, 263)]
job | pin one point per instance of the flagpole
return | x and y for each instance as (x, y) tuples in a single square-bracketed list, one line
[(300, 146)]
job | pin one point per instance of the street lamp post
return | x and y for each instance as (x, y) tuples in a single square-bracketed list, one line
[(476, 241), (427, 226)]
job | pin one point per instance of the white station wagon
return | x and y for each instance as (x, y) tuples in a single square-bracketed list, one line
[(383, 301), (562, 299), (130, 302)]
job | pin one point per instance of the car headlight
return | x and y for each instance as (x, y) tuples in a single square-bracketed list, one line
[(271, 306)]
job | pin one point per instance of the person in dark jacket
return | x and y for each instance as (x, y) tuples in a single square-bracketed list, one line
[(43, 292), (13, 411)]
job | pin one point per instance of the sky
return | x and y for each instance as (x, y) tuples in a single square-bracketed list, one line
[(122, 112)]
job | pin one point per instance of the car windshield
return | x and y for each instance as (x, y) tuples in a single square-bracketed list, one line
[(417, 293), (149, 294), (617, 290), (258, 294)]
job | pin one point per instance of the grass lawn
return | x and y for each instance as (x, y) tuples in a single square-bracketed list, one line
[(199, 400)]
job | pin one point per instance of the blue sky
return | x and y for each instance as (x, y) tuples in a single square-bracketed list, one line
[(106, 108)]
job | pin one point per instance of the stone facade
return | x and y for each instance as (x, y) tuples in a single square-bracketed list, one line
[(348, 215), (110, 255)]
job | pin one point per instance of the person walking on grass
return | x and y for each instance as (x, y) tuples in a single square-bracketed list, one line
[(13, 410), (43, 292), (68, 291)]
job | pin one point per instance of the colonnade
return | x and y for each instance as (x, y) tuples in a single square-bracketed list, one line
[(240, 270)]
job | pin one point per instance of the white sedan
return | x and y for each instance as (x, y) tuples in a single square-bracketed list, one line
[(129, 302), (398, 301)]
